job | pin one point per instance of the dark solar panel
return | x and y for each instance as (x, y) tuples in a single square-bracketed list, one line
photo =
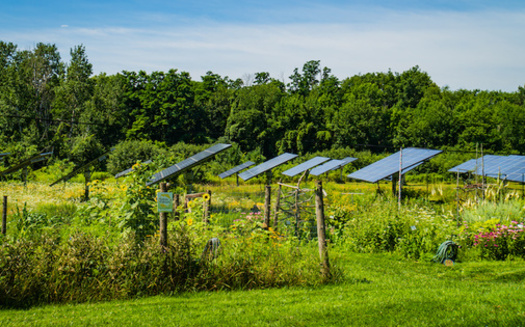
[(129, 170), (505, 167), (347, 160), (267, 165), (331, 165), (237, 169), (466, 166), (390, 165), (27, 162), (305, 166), (82, 168), (188, 163)]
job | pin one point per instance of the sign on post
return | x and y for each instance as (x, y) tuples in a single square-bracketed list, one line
[(165, 201)]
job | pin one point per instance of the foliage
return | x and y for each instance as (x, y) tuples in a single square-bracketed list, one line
[(45, 102)]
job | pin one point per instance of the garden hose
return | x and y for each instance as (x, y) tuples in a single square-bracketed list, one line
[(448, 250)]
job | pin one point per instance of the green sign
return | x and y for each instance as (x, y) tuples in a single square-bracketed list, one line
[(165, 201)]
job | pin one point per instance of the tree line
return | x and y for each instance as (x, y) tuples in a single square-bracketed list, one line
[(48, 103)]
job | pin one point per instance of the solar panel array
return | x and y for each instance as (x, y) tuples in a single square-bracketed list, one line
[(331, 165), (305, 166), (410, 158), (236, 169), (129, 170), (82, 168), (27, 162), (267, 165), (188, 163), (506, 167)]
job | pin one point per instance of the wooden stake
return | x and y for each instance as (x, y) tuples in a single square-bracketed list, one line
[(321, 233), (176, 204), (207, 207), (4, 216), (267, 210), (163, 222), (277, 205)]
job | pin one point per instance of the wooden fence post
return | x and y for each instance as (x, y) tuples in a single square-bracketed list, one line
[(163, 223), (4, 216), (267, 207), (277, 204), (207, 207), (321, 234), (176, 204)]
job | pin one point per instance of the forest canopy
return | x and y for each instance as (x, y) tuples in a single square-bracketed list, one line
[(48, 103)]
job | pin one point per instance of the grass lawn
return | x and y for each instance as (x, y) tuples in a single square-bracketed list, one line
[(380, 290)]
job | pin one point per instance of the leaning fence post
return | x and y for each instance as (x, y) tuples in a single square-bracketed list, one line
[(176, 204), (163, 222), (277, 205), (267, 210), (4, 216), (321, 235), (207, 206)]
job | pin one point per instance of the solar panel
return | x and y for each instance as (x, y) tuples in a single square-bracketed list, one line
[(267, 165), (348, 160), (236, 169), (507, 167), (411, 157), (465, 167), (331, 165), (82, 168), (188, 163), (129, 170), (4, 154), (305, 166), (27, 162)]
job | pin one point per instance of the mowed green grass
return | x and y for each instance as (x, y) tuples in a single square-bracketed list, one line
[(379, 290)]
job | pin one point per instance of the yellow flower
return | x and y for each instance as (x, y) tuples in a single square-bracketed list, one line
[(190, 222), (206, 197)]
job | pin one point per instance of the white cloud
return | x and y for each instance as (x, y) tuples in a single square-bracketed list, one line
[(480, 50)]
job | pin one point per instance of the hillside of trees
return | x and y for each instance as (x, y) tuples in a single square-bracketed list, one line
[(46, 102)]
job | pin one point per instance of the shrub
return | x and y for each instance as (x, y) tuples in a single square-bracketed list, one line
[(501, 241)]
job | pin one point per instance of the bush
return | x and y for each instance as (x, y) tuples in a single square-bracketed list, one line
[(128, 153)]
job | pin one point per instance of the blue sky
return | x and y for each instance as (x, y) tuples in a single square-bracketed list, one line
[(460, 44)]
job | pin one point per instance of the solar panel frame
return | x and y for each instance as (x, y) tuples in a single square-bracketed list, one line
[(188, 163), (294, 171), (327, 166), (386, 167), (465, 167), (129, 170), (39, 157), (236, 169), (506, 167), (82, 168), (267, 165), (331, 165)]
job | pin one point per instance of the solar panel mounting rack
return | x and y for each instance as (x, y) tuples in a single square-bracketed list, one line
[(386, 167), (267, 165), (82, 168), (129, 170), (331, 165), (27, 162), (236, 169), (305, 166), (188, 163)]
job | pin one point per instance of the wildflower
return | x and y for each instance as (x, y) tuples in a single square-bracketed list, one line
[(206, 197), (190, 222)]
